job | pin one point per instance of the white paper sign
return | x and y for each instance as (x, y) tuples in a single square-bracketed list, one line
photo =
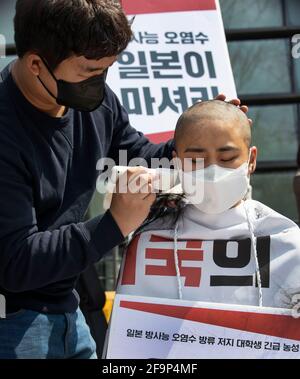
[(176, 59), (145, 328)]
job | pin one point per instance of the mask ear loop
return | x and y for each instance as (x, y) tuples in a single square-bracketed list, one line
[(248, 194), (253, 243), (53, 76), (178, 277), (48, 68)]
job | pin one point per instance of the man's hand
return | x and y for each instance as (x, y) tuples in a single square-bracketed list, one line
[(133, 199), (236, 102)]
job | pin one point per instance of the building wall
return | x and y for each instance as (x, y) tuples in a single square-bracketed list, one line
[(268, 78)]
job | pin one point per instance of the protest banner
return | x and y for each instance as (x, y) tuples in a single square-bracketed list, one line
[(153, 328), (177, 57)]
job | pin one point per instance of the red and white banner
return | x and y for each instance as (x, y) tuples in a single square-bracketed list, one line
[(143, 328), (221, 270), (178, 56)]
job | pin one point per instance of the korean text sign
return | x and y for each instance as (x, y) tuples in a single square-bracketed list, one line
[(144, 327), (177, 57)]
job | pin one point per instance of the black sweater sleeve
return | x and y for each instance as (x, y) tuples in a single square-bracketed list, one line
[(30, 258)]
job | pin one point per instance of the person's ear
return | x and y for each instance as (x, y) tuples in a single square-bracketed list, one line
[(34, 64), (253, 160)]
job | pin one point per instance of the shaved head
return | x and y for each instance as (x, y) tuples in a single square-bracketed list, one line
[(213, 111), (217, 133)]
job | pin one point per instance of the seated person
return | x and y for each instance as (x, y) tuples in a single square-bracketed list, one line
[(225, 248)]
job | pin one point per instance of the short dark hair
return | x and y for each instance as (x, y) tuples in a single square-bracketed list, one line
[(57, 29)]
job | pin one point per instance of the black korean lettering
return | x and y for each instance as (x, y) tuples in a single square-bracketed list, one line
[(241, 260), (243, 254), (171, 38), (131, 67), (149, 101), (175, 97), (166, 65), (131, 100), (203, 93), (235, 281), (194, 64), (210, 64), (148, 38)]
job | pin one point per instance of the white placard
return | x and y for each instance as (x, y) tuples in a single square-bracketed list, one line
[(176, 59), (145, 328)]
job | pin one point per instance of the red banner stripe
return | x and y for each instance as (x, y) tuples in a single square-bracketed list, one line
[(128, 277), (155, 238), (192, 244), (133, 7), (160, 137), (262, 323)]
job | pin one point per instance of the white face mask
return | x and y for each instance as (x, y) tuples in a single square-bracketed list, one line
[(215, 189)]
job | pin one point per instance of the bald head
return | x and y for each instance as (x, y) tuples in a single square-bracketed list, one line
[(213, 112), (217, 133)]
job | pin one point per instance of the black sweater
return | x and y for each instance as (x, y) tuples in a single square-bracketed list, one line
[(47, 179)]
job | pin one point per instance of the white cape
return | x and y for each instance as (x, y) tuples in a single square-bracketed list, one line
[(216, 259)]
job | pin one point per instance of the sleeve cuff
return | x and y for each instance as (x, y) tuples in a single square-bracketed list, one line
[(104, 233)]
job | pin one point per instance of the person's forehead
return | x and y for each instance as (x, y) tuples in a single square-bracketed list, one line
[(215, 129)]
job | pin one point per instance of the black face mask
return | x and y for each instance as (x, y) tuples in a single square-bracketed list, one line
[(85, 96)]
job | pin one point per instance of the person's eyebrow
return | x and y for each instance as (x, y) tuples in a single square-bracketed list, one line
[(195, 150), (202, 150), (228, 148)]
